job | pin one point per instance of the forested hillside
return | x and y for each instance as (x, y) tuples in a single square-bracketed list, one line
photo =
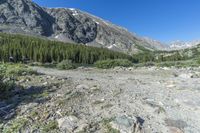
[(38, 50), (163, 56)]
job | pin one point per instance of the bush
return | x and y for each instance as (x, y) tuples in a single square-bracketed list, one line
[(106, 64), (198, 61), (52, 125), (5, 86), (8, 72), (20, 70), (66, 65)]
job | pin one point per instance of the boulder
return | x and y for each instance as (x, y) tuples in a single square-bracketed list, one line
[(127, 124), (68, 123), (185, 75)]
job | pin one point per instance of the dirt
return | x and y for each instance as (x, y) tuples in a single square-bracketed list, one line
[(162, 100)]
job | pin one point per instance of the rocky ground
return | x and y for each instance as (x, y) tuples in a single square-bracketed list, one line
[(88, 100)]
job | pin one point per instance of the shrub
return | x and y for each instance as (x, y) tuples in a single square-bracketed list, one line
[(198, 61), (16, 70), (15, 125), (8, 72), (52, 125), (5, 86), (66, 65), (106, 64), (20, 71)]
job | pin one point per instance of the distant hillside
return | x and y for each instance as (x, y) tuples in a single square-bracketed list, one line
[(187, 56), (183, 45)]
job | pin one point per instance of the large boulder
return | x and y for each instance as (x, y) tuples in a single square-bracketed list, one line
[(127, 124)]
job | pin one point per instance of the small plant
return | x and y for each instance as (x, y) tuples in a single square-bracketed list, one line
[(66, 65), (8, 72), (52, 125), (108, 127), (19, 70), (198, 61), (106, 64), (15, 125), (5, 86), (5, 89)]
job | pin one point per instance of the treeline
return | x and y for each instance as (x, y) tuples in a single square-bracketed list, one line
[(39, 50), (158, 57), (146, 55)]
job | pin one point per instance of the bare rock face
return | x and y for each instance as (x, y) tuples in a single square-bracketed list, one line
[(18, 16), (68, 25), (74, 26)]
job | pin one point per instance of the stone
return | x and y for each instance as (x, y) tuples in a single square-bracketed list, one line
[(82, 127), (94, 88), (171, 86), (22, 81), (82, 87), (68, 123), (184, 75), (45, 83), (180, 124), (175, 130), (127, 124)]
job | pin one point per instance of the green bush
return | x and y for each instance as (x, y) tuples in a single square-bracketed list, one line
[(198, 61), (8, 72), (52, 125), (20, 70), (5, 86), (66, 65), (106, 64)]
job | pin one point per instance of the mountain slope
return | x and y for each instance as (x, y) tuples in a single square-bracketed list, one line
[(68, 25), (183, 45), (23, 16)]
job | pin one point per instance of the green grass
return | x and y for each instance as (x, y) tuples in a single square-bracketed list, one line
[(52, 125), (8, 74), (12, 69), (15, 125)]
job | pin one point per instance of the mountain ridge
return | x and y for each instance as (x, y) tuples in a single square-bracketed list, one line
[(183, 44), (69, 25)]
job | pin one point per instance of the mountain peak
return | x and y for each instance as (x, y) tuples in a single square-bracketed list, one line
[(68, 24)]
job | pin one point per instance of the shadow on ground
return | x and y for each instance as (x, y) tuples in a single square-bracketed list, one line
[(32, 94)]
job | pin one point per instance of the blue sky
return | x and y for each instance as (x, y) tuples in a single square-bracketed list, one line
[(163, 20)]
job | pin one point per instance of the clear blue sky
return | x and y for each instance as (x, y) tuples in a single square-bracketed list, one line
[(163, 20)]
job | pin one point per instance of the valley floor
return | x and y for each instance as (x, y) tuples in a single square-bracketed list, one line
[(135, 100)]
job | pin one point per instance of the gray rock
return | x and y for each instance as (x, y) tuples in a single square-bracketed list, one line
[(126, 124), (68, 123), (82, 87), (186, 75)]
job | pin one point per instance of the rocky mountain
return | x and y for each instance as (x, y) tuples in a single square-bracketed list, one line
[(69, 25), (182, 45)]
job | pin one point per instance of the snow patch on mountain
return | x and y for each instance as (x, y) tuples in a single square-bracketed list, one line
[(112, 46)]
